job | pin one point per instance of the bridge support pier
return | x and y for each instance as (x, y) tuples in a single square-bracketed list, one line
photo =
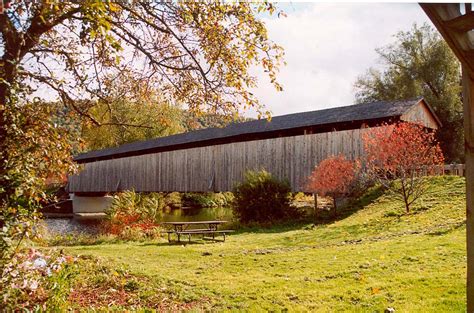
[(90, 206)]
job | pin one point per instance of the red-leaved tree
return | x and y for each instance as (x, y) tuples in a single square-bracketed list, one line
[(333, 177), (400, 156)]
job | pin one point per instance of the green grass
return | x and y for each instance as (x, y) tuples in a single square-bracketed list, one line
[(374, 257)]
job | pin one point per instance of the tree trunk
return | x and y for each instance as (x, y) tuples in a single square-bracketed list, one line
[(3, 137), (8, 74), (405, 195), (315, 206), (468, 98), (407, 205), (3, 154), (7, 77), (334, 212)]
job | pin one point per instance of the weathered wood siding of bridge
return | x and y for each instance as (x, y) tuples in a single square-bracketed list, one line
[(217, 167), (215, 159)]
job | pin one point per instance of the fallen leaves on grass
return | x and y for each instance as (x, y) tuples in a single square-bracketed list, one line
[(100, 286), (103, 297)]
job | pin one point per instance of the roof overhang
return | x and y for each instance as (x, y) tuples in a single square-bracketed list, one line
[(456, 28), (326, 120)]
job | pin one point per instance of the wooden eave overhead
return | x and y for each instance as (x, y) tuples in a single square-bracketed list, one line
[(456, 28)]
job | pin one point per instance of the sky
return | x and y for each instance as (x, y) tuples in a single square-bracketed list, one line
[(327, 46)]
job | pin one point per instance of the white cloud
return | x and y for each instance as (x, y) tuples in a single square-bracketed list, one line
[(327, 46)]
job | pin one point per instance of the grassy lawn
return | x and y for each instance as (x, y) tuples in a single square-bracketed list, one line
[(372, 258)]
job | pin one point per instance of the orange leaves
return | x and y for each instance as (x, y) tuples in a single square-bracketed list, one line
[(333, 176), (403, 151), (401, 148), (123, 220)]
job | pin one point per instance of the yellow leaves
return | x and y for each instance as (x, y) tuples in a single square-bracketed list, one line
[(375, 290), (113, 7), (144, 114), (360, 277), (278, 87), (231, 39)]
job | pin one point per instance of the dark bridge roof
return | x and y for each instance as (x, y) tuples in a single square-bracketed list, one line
[(379, 110)]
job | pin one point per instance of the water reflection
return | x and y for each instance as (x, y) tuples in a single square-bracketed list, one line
[(63, 226)]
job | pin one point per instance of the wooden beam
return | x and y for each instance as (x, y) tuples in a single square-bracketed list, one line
[(440, 14), (462, 23), (470, 54), (468, 99), (454, 28)]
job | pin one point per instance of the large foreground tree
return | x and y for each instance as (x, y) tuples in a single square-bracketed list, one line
[(420, 63), (194, 53)]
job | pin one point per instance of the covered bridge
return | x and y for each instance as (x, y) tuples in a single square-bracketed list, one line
[(214, 159)]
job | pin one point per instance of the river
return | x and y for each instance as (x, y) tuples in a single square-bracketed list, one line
[(62, 226)]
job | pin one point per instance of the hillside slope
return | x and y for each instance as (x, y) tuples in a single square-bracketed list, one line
[(373, 258)]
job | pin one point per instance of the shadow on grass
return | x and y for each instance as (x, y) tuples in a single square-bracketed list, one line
[(354, 205), (447, 230), (90, 240), (278, 227), (83, 241), (198, 242), (309, 221), (170, 244)]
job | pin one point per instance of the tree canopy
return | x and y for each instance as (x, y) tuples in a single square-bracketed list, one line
[(404, 152), (197, 54), (122, 118), (420, 63), (333, 177)]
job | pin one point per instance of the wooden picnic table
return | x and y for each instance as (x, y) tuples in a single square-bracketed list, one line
[(185, 228)]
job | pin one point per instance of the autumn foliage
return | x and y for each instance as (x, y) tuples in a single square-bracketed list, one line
[(404, 152), (124, 221), (333, 177), (132, 215)]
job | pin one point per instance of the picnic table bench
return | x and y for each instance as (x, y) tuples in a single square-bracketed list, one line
[(184, 228)]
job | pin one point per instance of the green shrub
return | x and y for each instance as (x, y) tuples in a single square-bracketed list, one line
[(173, 200), (263, 198), (147, 206), (222, 199), (197, 200), (131, 210), (228, 197), (207, 200)]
